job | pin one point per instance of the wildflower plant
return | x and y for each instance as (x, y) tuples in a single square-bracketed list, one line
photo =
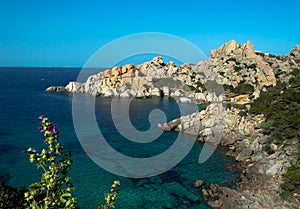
[(55, 188), (110, 198)]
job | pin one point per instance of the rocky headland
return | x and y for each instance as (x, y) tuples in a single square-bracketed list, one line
[(242, 71), (258, 93)]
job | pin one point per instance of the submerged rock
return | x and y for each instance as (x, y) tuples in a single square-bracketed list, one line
[(198, 183)]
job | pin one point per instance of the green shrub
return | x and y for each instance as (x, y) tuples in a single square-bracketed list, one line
[(200, 86), (267, 124), (296, 72), (251, 66), (268, 149), (237, 68), (281, 107), (244, 88), (293, 174), (242, 113)]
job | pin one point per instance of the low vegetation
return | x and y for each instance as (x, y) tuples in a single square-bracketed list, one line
[(281, 107), (242, 88)]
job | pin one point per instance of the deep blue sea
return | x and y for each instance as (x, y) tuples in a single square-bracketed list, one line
[(23, 99)]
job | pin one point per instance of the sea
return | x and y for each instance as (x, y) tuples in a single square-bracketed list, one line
[(23, 99)]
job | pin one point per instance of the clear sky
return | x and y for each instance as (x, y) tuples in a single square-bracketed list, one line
[(67, 33)]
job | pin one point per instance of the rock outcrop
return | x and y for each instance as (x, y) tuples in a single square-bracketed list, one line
[(150, 79), (232, 64), (56, 89)]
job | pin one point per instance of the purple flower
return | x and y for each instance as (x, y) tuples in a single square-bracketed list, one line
[(41, 117), (41, 129), (52, 128), (31, 151)]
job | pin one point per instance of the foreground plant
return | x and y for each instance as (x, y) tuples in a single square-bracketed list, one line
[(55, 188), (110, 198)]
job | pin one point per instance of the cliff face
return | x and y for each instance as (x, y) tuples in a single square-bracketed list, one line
[(231, 64)]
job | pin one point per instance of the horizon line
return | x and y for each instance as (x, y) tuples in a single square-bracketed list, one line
[(53, 67)]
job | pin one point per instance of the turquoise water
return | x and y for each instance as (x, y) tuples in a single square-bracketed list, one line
[(22, 100), (202, 107)]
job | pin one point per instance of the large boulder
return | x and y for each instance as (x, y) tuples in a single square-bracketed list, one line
[(108, 93), (128, 70), (200, 97), (107, 73), (116, 71), (126, 94), (156, 92), (224, 50), (166, 90), (75, 87), (140, 94), (274, 169), (296, 52), (185, 100), (157, 60)]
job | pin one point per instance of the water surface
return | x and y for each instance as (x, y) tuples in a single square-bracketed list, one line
[(23, 99)]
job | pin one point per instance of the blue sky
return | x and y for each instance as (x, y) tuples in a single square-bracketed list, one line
[(67, 33)]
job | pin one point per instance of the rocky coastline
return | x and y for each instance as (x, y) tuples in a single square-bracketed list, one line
[(261, 173), (243, 75), (262, 161)]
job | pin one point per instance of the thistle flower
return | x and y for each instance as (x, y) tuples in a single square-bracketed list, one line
[(52, 128), (29, 150)]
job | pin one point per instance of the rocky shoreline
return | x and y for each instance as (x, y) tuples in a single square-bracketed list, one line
[(261, 173), (242, 74)]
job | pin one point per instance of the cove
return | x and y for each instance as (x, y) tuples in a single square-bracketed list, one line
[(23, 99)]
